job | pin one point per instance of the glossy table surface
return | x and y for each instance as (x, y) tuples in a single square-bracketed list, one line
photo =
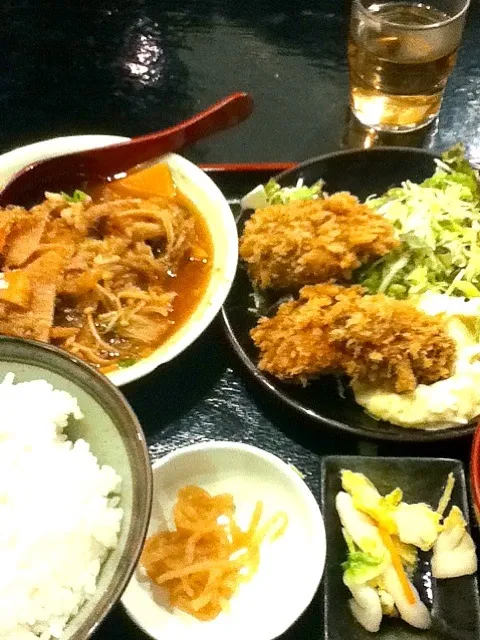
[(133, 66)]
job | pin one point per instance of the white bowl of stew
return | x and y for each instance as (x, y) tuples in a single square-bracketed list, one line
[(199, 281)]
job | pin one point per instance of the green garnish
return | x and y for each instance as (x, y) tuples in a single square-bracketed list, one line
[(127, 362), (78, 196)]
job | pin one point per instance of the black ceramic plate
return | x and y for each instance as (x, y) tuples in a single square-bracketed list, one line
[(325, 401), (454, 603)]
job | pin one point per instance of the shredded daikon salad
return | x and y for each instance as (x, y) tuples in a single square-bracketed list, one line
[(205, 559), (383, 535)]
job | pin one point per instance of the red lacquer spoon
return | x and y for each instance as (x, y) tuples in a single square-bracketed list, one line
[(68, 172)]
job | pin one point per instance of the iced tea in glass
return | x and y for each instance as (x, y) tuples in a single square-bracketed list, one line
[(400, 56)]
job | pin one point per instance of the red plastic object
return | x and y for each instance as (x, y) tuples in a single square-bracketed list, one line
[(475, 472), (70, 171)]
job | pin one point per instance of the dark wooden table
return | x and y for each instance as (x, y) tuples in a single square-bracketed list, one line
[(134, 66)]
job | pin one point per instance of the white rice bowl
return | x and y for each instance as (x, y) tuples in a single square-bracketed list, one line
[(59, 513)]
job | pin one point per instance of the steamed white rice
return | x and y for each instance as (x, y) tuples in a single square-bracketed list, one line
[(58, 512)]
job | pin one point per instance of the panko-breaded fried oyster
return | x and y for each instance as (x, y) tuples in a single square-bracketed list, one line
[(310, 241), (371, 338)]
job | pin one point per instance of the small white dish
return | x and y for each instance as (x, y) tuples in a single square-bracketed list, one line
[(208, 199), (290, 568)]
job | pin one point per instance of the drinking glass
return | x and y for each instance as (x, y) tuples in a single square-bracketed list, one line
[(400, 55)]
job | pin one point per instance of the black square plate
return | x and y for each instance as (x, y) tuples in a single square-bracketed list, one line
[(454, 603)]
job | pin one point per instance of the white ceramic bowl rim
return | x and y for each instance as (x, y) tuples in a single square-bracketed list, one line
[(223, 272)]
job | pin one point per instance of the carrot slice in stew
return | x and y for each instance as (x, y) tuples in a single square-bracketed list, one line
[(154, 181), (18, 288)]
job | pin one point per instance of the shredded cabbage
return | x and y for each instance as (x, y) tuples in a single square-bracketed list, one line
[(438, 224), (281, 195), (273, 193)]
